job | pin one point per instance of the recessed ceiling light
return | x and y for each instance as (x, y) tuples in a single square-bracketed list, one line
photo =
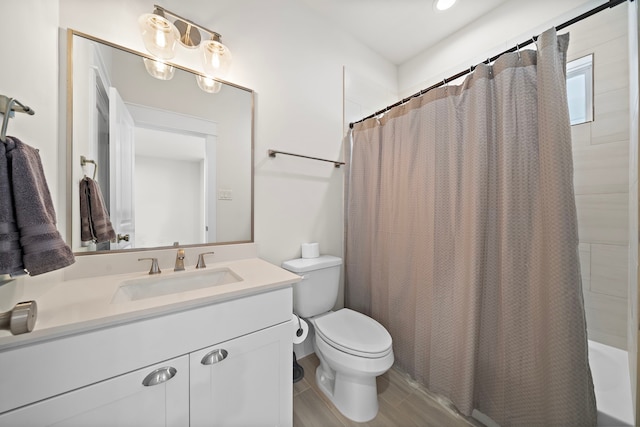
[(443, 4)]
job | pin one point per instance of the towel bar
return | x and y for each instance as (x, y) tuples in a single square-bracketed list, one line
[(272, 153)]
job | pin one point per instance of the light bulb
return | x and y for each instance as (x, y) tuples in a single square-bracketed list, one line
[(159, 69), (443, 4), (159, 35), (208, 84), (217, 58)]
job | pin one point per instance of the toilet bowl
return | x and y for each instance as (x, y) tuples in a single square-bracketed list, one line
[(349, 365), (353, 349)]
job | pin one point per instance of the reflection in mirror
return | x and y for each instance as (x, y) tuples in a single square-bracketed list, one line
[(174, 163)]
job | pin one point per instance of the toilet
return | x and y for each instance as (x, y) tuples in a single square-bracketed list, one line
[(353, 349)]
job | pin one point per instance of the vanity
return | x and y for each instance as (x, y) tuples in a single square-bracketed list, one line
[(207, 355)]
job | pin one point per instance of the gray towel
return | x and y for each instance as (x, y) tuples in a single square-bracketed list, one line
[(10, 250), (95, 224), (43, 249)]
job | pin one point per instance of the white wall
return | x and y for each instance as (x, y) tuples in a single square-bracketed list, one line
[(601, 175), (163, 220), (30, 74)]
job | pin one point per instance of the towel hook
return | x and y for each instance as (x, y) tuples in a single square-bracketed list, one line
[(9, 112), (5, 120), (84, 161)]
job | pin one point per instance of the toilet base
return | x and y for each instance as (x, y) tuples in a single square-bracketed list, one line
[(355, 397)]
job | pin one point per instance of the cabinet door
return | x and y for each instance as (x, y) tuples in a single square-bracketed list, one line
[(119, 401), (244, 382)]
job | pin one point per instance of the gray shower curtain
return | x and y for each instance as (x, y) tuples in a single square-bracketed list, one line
[(462, 240)]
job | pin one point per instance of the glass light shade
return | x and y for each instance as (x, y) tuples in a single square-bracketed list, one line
[(217, 58), (159, 35), (208, 84), (159, 69)]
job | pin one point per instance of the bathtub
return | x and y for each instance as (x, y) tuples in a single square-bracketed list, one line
[(610, 371)]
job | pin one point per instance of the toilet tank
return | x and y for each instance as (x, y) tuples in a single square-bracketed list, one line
[(317, 292)]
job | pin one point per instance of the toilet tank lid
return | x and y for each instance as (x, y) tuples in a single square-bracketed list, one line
[(303, 265)]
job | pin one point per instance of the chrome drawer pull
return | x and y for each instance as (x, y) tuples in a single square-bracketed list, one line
[(215, 356), (159, 376)]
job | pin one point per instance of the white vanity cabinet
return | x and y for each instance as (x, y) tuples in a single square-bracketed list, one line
[(119, 401), (241, 382), (95, 377)]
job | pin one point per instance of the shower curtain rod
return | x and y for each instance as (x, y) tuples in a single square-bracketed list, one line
[(608, 5)]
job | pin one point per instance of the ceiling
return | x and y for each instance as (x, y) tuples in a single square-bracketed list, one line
[(400, 29)]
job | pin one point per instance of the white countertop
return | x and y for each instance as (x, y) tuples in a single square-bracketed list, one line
[(84, 304)]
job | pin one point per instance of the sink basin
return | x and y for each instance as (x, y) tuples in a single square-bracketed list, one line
[(173, 283)]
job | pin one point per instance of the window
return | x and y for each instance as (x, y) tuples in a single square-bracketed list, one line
[(580, 89)]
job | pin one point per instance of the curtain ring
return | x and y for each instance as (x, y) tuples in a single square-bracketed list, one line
[(518, 50)]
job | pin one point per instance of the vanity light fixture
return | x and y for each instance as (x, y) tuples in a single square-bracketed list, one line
[(441, 5), (160, 36)]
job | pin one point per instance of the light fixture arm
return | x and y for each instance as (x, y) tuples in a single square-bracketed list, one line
[(159, 10)]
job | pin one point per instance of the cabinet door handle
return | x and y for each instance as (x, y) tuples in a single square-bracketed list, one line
[(159, 376), (214, 356)]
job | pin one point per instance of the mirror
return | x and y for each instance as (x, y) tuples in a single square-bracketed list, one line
[(174, 163)]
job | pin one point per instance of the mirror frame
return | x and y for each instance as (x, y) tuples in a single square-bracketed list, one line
[(70, 155)]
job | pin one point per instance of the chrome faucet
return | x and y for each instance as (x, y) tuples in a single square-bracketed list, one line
[(154, 265), (179, 261), (201, 263)]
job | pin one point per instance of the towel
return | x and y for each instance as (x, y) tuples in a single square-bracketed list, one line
[(95, 224), (10, 250), (43, 248)]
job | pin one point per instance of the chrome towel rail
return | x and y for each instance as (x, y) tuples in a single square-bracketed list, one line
[(272, 153)]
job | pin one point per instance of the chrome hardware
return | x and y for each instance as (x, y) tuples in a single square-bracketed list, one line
[(154, 265), (159, 376), (123, 237), (21, 318), (299, 332), (84, 161), (201, 263), (214, 356), (179, 261)]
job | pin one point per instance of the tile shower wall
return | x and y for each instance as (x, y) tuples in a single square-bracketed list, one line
[(601, 176)]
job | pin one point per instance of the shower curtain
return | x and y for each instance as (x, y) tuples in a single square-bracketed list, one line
[(461, 237)]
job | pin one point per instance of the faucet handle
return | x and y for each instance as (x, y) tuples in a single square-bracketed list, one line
[(201, 263), (154, 265)]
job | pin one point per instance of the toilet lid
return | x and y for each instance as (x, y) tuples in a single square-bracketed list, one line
[(354, 333)]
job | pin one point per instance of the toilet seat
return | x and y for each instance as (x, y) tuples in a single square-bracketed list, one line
[(354, 333)]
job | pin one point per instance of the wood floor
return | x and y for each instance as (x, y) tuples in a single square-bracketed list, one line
[(402, 403)]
